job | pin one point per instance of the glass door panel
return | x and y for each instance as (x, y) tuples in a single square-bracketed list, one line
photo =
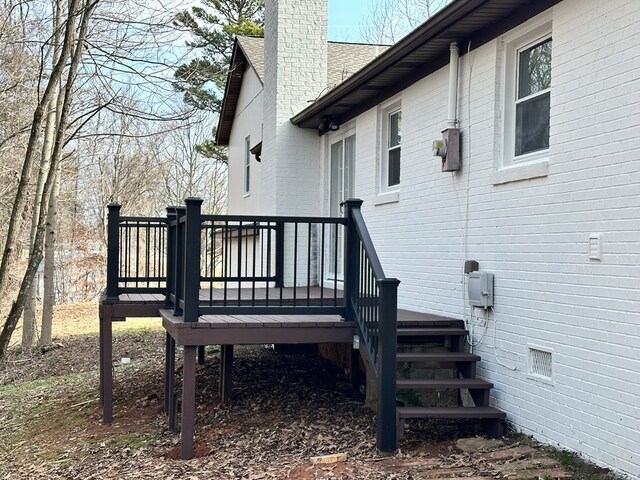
[(342, 165)]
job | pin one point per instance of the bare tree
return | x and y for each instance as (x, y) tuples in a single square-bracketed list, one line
[(187, 174), (76, 26), (390, 20)]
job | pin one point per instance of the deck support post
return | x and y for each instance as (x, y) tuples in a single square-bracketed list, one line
[(167, 354), (201, 354), (170, 382), (101, 353), (188, 402), (226, 372), (387, 349), (106, 364), (354, 367)]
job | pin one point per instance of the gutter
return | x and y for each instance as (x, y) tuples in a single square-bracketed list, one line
[(431, 28)]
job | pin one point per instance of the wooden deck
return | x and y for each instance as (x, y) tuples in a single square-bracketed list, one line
[(227, 331)]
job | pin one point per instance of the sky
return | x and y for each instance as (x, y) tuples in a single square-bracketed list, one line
[(345, 18)]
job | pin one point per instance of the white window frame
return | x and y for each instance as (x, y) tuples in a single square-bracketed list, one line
[(246, 182), (534, 164), (386, 111)]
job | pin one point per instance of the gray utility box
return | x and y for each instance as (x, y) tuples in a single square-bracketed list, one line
[(481, 289)]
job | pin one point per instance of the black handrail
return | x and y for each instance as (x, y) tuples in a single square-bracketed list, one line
[(372, 302)]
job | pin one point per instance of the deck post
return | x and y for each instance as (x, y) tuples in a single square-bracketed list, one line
[(351, 259), (387, 348), (171, 264), (113, 249), (101, 352), (279, 255), (106, 362), (178, 269), (192, 260), (201, 354), (167, 353), (170, 382), (226, 372), (188, 401)]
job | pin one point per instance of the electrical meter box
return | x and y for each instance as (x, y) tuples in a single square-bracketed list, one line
[(481, 289)]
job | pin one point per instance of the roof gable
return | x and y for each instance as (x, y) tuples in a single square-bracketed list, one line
[(344, 60)]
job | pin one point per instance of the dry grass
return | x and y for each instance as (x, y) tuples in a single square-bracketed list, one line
[(82, 319)]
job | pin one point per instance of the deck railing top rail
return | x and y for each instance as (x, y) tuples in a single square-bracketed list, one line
[(250, 219)]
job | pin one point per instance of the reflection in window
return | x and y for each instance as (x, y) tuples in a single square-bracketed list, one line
[(393, 148), (533, 102)]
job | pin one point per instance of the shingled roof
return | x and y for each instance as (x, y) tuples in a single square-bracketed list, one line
[(344, 60)]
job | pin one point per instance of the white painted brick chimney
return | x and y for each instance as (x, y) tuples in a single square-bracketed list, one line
[(295, 74)]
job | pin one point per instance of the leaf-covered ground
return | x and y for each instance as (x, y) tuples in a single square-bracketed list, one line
[(286, 409)]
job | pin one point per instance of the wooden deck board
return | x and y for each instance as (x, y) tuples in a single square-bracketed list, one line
[(257, 329)]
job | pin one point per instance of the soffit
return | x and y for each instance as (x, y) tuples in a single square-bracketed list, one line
[(471, 23)]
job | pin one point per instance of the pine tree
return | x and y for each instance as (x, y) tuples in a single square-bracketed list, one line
[(213, 27)]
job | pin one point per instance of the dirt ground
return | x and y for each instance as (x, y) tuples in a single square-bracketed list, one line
[(286, 409)]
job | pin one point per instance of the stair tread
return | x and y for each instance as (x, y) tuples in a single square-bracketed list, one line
[(431, 332), (437, 357), (449, 383), (450, 412)]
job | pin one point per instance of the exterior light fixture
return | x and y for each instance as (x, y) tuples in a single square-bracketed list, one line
[(328, 124)]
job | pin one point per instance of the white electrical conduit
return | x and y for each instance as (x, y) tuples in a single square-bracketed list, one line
[(452, 116)]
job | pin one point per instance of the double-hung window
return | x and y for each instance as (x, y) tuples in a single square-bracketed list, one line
[(533, 99), (526, 103), (391, 147)]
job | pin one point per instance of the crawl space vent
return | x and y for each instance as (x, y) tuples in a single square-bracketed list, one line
[(540, 364)]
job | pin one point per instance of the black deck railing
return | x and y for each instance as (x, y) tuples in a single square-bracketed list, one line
[(236, 264), (136, 254), (372, 302)]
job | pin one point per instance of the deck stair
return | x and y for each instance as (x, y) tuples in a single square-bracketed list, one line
[(462, 366)]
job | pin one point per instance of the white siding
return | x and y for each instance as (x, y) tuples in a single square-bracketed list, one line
[(247, 122), (533, 234)]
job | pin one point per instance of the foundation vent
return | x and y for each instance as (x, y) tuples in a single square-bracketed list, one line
[(541, 363)]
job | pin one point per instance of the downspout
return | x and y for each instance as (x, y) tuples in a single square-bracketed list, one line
[(452, 117)]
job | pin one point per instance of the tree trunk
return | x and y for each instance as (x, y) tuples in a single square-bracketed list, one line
[(29, 318), (49, 294)]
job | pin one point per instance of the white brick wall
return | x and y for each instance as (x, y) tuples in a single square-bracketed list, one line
[(533, 234), (295, 35)]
